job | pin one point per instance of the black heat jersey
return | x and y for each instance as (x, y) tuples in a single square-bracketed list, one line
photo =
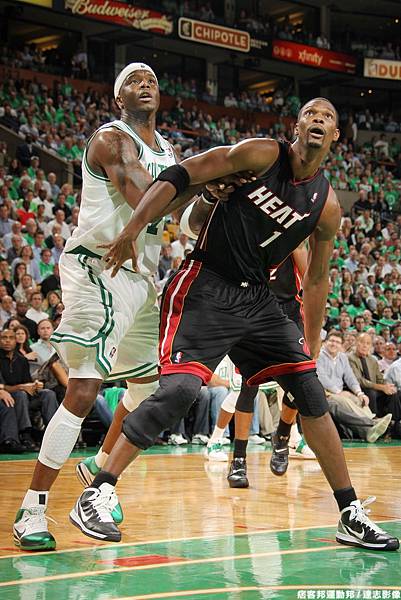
[(286, 284), (261, 223), (286, 281)]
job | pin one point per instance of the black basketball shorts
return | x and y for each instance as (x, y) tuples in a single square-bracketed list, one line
[(204, 317)]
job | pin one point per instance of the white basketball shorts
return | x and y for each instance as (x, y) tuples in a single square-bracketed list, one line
[(110, 326)]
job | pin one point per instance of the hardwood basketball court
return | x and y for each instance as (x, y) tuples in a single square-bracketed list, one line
[(186, 534)]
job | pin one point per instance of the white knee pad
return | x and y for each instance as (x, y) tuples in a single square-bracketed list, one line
[(137, 392), (230, 402), (60, 437)]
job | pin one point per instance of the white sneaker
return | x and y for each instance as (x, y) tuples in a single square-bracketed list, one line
[(92, 513), (215, 452), (176, 439), (302, 450), (31, 531), (225, 441), (256, 439), (200, 439), (356, 529), (379, 428)]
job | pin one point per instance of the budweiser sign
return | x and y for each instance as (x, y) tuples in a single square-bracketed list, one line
[(382, 69), (214, 35), (121, 13), (314, 57)]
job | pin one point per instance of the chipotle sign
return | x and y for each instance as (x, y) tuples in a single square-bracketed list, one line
[(215, 35), (121, 13), (313, 57)]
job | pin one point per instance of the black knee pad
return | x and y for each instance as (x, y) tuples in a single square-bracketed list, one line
[(288, 402), (246, 399), (163, 409), (306, 392)]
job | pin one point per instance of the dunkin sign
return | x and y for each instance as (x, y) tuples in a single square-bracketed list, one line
[(382, 69)]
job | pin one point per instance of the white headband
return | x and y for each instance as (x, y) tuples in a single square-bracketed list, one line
[(122, 76)]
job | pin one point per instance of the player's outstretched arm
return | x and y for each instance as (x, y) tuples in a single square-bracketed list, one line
[(196, 212), (316, 278), (255, 155)]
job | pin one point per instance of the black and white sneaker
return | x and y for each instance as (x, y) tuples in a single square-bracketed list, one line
[(279, 457), (237, 474), (356, 529), (92, 514)]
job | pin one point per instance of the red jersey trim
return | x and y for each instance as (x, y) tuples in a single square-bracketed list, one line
[(298, 284), (172, 308), (193, 368), (283, 369)]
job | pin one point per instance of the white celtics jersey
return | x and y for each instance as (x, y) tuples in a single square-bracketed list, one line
[(104, 211)]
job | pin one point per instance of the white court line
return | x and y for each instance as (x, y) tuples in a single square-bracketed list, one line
[(180, 563), (181, 539)]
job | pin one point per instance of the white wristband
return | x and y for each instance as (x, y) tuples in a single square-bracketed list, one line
[(207, 201), (184, 222)]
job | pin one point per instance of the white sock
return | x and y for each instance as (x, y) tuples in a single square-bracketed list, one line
[(217, 434), (295, 436), (100, 458), (35, 498)]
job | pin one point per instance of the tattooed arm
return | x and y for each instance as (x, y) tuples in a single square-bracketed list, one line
[(114, 154)]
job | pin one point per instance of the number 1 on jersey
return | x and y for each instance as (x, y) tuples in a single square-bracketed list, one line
[(271, 239)]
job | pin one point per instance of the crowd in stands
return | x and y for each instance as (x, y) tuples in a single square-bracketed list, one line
[(366, 120), (55, 60), (375, 49), (38, 212)]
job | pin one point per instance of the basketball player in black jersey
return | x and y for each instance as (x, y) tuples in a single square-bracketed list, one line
[(219, 303)]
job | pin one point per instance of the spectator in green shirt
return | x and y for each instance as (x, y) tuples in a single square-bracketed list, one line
[(34, 167), (46, 265), (49, 112), (336, 260), (66, 88), (66, 150), (78, 150), (391, 195)]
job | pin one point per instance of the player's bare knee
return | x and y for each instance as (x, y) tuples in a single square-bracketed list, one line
[(306, 392), (81, 395)]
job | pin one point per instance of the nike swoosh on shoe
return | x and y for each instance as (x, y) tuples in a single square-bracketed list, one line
[(359, 534)]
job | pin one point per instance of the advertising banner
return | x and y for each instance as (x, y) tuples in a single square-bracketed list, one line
[(313, 57), (120, 13), (214, 35), (382, 69)]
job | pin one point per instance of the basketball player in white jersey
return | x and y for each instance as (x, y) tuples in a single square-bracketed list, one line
[(109, 328)]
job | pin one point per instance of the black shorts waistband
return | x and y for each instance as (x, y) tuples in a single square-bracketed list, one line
[(242, 283)]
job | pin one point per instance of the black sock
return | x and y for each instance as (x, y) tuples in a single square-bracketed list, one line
[(344, 497), (283, 429), (104, 477), (240, 448)]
